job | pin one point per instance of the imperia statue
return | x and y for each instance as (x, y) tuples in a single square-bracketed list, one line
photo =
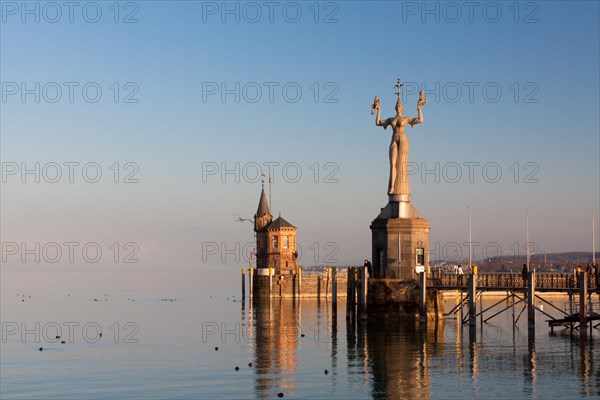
[(399, 185)]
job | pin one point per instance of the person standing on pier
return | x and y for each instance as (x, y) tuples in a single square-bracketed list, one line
[(524, 274)]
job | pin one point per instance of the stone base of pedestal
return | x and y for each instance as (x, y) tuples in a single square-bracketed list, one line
[(400, 242), (398, 298)]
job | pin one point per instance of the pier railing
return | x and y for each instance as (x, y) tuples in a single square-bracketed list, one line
[(543, 281)]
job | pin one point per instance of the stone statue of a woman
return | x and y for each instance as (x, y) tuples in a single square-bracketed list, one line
[(399, 186)]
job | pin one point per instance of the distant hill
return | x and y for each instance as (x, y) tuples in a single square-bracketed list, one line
[(556, 262)]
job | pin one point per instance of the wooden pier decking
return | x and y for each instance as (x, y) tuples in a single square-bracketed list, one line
[(525, 290)]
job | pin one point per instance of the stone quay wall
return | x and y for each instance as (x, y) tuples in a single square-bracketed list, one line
[(309, 285)]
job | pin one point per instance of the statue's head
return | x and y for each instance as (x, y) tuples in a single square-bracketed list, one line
[(399, 107)]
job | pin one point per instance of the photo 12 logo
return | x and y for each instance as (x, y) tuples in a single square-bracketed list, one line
[(271, 92), (254, 172), (71, 252), (69, 92), (53, 12), (222, 332), (457, 252), (254, 12), (453, 12), (69, 172), (474, 171), (315, 253), (69, 332), (473, 91)]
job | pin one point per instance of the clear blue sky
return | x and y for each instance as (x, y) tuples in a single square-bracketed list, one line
[(541, 132)]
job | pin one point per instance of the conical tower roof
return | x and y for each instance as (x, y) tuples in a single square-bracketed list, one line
[(263, 206)]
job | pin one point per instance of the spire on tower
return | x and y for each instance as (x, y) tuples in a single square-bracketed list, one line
[(263, 216)]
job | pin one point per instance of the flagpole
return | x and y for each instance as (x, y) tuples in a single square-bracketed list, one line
[(527, 236), (594, 238), (270, 203), (470, 243)]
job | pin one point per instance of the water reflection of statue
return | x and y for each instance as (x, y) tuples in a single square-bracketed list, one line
[(399, 147)]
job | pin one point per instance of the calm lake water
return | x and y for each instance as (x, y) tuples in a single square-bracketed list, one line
[(160, 331)]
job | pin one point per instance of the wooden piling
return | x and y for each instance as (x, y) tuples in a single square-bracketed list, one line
[(531, 300), (514, 322), (251, 281), (362, 294), (334, 293), (422, 297), (243, 283), (582, 304), (472, 299), (481, 312), (349, 294), (461, 317), (271, 272), (353, 291)]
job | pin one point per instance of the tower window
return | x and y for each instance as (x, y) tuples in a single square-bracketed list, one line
[(275, 242), (420, 256), (286, 242)]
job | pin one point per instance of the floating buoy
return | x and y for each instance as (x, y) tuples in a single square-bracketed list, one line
[(41, 348), (326, 372), (237, 368), (216, 349), (63, 342), (279, 394), (250, 365)]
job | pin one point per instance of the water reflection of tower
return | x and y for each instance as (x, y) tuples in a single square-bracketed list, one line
[(276, 343)]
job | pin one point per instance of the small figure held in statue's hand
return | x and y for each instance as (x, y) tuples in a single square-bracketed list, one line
[(375, 106), (422, 100)]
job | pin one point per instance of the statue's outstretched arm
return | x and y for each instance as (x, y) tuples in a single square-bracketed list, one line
[(377, 108), (422, 101)]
